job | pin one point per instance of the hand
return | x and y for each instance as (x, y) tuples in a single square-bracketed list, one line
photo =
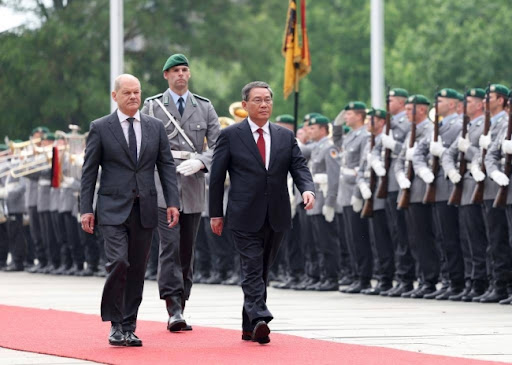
[(506, 146), (454, 176), (426, 175), (217, 224), (388, 141), (378, 167), (500, 178), (410, 153), (365, 190), (477, 174), (463, 144), (309, 200), (357, 204), (173, 216), (190, 167), (484, 141), (88, 222), (328, 213), (437, 148), (403, 181)]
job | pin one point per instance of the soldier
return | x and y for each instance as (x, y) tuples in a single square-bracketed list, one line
[(446, 218), (356, 228), (4, 239), (188, 119), (471, 220), (394, 141), (418, 216)]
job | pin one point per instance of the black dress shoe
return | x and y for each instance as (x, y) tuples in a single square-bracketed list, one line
[(483, 295), (408, 294), (176, 321), (132, 340), (400, 289), (506, 301), (187, 327), (462, 294), (423, 290), (435, 293), (381, 286), (356, 287), (451, 292), (495, 296), (247, 335), (313, 285), (328, 285), (346, 280), (116, 337), (37, 268), (261, 332)]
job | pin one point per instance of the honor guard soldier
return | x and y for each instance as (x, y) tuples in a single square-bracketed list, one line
[(188, 119), (4, 238), (418, 216), (446, 217), (471, 220), (356, 228)]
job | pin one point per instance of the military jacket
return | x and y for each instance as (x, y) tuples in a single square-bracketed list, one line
[(363, 175)]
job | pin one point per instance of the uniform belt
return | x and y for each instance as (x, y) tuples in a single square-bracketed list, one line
[(183, 155), (348, 171), (44, 182)]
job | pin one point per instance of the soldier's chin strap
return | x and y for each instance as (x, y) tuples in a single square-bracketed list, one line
[(176, 125)]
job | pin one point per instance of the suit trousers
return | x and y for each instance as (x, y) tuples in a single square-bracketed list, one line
[(383, 246), (127, 251), (17, 242), (37, 236), (176, 256), (358, 240), (325, 236), (258, 251), (499, 252), (473, 227)]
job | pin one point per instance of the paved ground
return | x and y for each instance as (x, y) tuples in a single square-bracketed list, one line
[(481, 331)]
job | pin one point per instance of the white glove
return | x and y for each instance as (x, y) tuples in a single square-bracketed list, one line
[(357, 204), (365, 190), (321, 179), (484, 141), (506, 146), (328, 213), (190, 167), (426, 175), (437, 148), (500, 178), (69, 180), (3, 193), (388, 141), (477, 174), (463, 144), (454, 176), (403, 181), (378, 167), (410, 153), (369, 158)]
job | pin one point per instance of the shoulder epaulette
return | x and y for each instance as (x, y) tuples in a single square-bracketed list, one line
[(201, 97), (153, 97)]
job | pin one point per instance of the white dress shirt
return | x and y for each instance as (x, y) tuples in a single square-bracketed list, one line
[(126, 128), (266, 137)]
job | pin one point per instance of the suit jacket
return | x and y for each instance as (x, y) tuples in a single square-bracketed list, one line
[(256, 193), (122, 178)]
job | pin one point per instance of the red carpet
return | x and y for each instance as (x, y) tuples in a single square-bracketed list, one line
[(83, 336)]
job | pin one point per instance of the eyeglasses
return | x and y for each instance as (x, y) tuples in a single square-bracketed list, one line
[(258, 101)]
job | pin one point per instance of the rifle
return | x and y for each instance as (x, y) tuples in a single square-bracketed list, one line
[(367, 210), (382, 191), (430, 193), (501, 198), (478, 193), (456, 195), (405, 198)]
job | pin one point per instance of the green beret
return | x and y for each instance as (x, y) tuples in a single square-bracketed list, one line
[(448, 93), (461, 96), (399, 92), (476, 92), (299, 126), (499, 89), (308, 116), (175, 60), (49, 136), (379, 113), (3, 147), (418, 99), (319, 119), (40, 130), (285, 118), (355, 105)]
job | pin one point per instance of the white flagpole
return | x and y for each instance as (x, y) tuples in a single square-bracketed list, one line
[(116, 44), (377, 52)]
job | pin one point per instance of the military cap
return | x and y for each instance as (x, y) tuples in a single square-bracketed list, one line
[(49, 136), (418, 99), (3, 147), (308, 116), (40, 129), (319, 119), (285, 118), (355, 105), (499, 89), (398, 92), (175, 60), (476, 92), (448, 93), (379, 113)]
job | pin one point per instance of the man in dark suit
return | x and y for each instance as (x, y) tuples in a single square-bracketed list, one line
[(127, 145), (258, 156)]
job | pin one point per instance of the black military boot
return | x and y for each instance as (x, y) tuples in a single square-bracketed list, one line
[(453, 290), (176, 321), (498, 293), (458, 297), (383, 285), (478, 288)]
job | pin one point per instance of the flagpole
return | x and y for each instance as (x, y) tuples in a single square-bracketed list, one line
[(296, 106)]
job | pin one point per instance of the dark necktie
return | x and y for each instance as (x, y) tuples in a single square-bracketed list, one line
[(132, 141), (180, 105), (261, 145)]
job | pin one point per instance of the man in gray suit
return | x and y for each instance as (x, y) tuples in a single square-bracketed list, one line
[(127, 145), (189, 119)]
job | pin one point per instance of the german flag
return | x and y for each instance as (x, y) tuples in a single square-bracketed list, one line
[(297, 57)]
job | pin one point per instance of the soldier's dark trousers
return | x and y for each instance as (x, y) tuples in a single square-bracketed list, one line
[(345, 262), (60, 239), (37, 236), (309, 248), (421, 239), (358, 240), (473, 227), (4, 243), (17, 243), (91, 244), (221, 250), (382, 244), (498, 237), (176, 257), (30, 255), (153, 253), (202, 256), (295, 255), (404, 261), (50, 242), (325, 237), (73, 239)]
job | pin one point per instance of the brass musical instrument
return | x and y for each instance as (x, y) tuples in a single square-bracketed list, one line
[(237, 111)]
